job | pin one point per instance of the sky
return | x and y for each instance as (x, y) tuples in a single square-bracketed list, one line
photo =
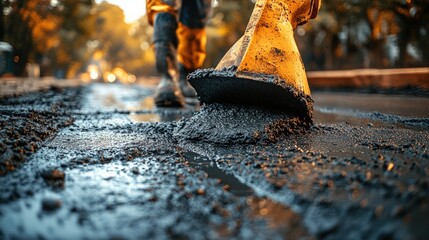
[(133, 9)]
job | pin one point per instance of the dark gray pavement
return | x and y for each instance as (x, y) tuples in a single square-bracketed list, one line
[(101, 162)]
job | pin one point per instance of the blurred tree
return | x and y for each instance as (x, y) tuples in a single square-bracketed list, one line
[(34, 27), (18, 32), (227, 24), (367, 33), (413, 19), (65, 34), (77, 26), (143, 33), (115, 39), (4, 6)]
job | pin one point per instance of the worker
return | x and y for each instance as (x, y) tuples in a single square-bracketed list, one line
[(179, 41)]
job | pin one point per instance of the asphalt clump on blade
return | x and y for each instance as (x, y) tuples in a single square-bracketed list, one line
[(234, 124), (252, 89)]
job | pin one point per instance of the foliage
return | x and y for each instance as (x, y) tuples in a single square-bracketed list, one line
[(35, 27), (227, 24), (70, 54), (367, 33), (65, 36), (142, 32), (115, 39)]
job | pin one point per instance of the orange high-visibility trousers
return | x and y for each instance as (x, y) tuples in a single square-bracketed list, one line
[(192, 16)]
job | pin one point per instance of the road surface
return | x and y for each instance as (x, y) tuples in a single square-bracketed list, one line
[(101, 161)]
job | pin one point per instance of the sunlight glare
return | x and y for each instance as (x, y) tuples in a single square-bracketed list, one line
[(133, 9)]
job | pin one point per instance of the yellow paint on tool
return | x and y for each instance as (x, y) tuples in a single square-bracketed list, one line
[(268, 46)]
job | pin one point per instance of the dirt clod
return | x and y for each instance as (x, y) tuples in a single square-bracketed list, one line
[(51, 204)]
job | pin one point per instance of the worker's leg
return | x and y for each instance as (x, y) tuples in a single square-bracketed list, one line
[(163, 15), (192, 40), (191, 54)]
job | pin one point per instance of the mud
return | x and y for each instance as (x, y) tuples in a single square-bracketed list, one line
[(106, 176)]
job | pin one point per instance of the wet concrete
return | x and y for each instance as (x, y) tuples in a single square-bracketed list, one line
[(105, 175)]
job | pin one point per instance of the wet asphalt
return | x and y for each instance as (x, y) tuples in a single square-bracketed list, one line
[(101, 162)]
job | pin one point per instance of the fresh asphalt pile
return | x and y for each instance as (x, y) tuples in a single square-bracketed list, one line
[(104, 175), (230, 124)]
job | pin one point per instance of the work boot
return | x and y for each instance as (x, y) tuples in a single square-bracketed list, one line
[(187, 90), (167, 93)]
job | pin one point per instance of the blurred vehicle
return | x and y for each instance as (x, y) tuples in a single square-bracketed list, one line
[(6, 58)]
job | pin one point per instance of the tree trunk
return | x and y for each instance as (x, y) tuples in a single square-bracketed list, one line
[(20, 36), (2, 18), (403, 39)]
